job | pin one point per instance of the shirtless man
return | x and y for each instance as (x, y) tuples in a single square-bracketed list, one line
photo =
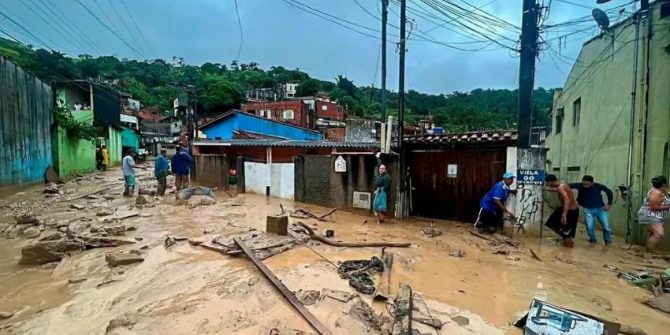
[(563, 220)]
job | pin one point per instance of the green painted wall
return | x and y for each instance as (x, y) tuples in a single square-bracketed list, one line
[(598, 143), (130, 138), (114, 144), (72, 157)]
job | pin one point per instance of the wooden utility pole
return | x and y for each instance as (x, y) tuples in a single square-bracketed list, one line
[(529, 37), (401, 99), (385, 13)]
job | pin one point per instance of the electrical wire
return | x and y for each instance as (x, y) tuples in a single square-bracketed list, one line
[(61, 32), (132, 19), (27, 31), (125, 25), (109, 29), (239, 23), (60, 16)]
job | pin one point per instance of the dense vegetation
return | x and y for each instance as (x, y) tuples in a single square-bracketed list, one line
[(220, 87)]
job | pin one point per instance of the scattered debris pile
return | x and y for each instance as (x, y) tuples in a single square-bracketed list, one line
[(359, 273)]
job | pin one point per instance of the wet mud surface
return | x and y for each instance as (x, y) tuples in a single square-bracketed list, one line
[(187, 289)]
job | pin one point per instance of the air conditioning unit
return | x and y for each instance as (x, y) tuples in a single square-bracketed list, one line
[(362, 200)]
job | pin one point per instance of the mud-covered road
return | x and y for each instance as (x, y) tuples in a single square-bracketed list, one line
[(187, 289)]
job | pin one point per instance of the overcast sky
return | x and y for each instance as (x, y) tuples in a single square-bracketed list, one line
[(277, 33)]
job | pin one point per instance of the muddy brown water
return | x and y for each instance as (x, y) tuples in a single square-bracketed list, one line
[(188, 289)]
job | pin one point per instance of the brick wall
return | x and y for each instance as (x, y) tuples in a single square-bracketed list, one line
[(335, 134), (329, 110), (277, 108)]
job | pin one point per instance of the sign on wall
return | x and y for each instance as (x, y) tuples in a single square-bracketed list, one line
[(340, 164), (530, 177), (452, 170)]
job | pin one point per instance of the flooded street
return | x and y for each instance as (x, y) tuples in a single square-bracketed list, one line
[(187, 289)]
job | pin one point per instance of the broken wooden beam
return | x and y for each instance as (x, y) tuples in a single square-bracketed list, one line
[(532, 252), (490, 239), (307, 315), (87, 194), (328, 241), (402, 322)]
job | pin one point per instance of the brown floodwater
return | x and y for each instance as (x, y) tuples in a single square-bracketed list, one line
[(188, 289)]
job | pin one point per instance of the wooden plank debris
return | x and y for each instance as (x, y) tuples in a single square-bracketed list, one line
[(87, 194), (309, 317), (328, 241), (402, 323), (383, 291), (532, 252)]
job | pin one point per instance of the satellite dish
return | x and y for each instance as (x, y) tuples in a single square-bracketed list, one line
[(601, 18)]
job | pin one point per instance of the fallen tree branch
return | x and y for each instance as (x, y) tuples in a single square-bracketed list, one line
[(328, 241), (328, 214), (490, 239), (532, 252), (651, 266)]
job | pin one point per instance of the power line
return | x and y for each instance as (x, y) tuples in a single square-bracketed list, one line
[(58, 14), (66, 36), (27, 31), (239, 24), (123, 2), (109, 29), (123, 23), (574, 4)]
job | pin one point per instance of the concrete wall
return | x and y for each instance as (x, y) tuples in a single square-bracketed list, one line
[(211, 170), (277, 176), (70, 156), (359, 131), (26, 115), (241, 121), (598, 144), (114, 145), (130, 138), (317, 182)]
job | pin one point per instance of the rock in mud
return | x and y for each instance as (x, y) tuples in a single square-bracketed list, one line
[(460, 320), (123, 321), (200, 200), (51, 188), (115, 230), (308, 297), (104, 212), (118, 258), (75, 280), (5, 315), (77, 207), (141, 200), (431, 232), (457, 253), (28, 218), (52, 236), (48, 251), (31, 232)]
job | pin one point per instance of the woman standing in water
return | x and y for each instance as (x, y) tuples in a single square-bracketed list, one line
[(382, 184), (655, 211)]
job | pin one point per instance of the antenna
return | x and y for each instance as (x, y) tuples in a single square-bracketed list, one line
[(601, 18)]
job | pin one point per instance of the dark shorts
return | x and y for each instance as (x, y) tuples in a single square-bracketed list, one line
[(567, 231), (490, 220)]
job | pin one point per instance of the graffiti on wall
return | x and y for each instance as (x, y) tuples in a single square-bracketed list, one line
[(530, 204)]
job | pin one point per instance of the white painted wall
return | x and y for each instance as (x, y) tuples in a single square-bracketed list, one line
[(511, 166), (279, 176)]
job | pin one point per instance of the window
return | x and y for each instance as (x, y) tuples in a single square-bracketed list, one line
[(576, 112), (559, 121), (574, 168), (556, 169), (265, 113), (324, 107), (288, 114)]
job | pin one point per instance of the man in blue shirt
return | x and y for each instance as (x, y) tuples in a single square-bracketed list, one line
[(181, 167), (161, 169), (589, 196), (493, 204)]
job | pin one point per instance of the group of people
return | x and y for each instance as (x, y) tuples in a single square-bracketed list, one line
[(181, 168), (653, 213)]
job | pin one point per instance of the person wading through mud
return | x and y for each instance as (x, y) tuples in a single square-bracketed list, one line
[(98, 158), (161, 170), (563, 221), (181, 167), (382, 184), (128, 168), (589, 196), (105, 157), (493, 208), (655, 211)]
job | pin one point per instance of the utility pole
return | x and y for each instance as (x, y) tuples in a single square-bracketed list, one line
[(529, 37), (385, 13), (401, 106)]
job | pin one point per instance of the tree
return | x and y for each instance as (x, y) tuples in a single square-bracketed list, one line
[(308, 87), (219, 95), (346, 85)]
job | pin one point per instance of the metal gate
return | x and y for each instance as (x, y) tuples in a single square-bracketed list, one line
[(448, 183)]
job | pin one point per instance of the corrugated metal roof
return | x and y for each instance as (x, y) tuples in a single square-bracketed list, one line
[(285, 143), (484, 137)]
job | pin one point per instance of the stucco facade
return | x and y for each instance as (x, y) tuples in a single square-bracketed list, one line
[(592, 116)]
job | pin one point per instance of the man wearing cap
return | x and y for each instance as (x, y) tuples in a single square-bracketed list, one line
[(493, 204)]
